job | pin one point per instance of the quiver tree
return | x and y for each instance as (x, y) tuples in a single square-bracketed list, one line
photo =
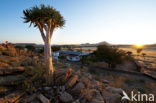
[(46, 19)]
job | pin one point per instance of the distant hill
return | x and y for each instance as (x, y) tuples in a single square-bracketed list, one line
[(104, 43), (24, 44), (151, 45)]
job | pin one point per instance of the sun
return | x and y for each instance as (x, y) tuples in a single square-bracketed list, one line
[(139, 45)]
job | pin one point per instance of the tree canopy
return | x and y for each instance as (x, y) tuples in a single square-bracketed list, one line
[(43, 16)]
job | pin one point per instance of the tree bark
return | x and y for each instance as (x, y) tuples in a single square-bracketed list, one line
[(47, 50), (48, 57)]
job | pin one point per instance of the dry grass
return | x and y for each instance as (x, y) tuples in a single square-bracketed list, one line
[(150, 58)]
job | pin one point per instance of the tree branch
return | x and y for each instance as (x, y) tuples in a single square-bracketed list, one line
[(42, 32), (45, 27), (51, 28)]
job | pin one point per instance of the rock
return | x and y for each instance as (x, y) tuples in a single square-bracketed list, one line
[(71, 81), (9, 71), (111, 97), (97, 85), (85, 81), (97, 98), (89, 94), (43, 99), (50, 93), (105, 81), (61, 89), (47, 88), (3, 65), (88, 75), (76, 101), (62, 76), (59, 73), (65, 97), (12, 97), (114, 90), (78, 89), (10, 80), (29, 99), (34, 101)]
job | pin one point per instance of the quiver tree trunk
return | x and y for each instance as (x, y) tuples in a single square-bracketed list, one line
[(48, 54), (48, 58), (47, 51)]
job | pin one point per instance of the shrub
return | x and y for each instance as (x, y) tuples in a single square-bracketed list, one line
[(8, 49), (110, 55), (55, 48), (33, 78), (19, 47), (30, 47), (138, 50), (28, 62)]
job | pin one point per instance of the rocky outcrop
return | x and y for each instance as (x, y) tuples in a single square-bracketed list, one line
[(11, 71), (11, 80), (12, 97), (74, 88)]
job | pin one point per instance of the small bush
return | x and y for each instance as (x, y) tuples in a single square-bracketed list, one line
[(8, 49), (33, 79)]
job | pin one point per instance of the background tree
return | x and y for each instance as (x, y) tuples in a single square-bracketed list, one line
[(30, 47), (144, 54), (111, 55), (138, 50), (129, 53), (19, 47), (46, 19), (56, 48)]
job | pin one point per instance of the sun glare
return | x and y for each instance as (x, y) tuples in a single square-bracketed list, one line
[(139, 45)]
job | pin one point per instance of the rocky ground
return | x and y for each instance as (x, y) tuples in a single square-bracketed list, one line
[(69, 87), (21, 81)]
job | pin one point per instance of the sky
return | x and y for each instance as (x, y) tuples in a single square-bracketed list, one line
[(87, 21)]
